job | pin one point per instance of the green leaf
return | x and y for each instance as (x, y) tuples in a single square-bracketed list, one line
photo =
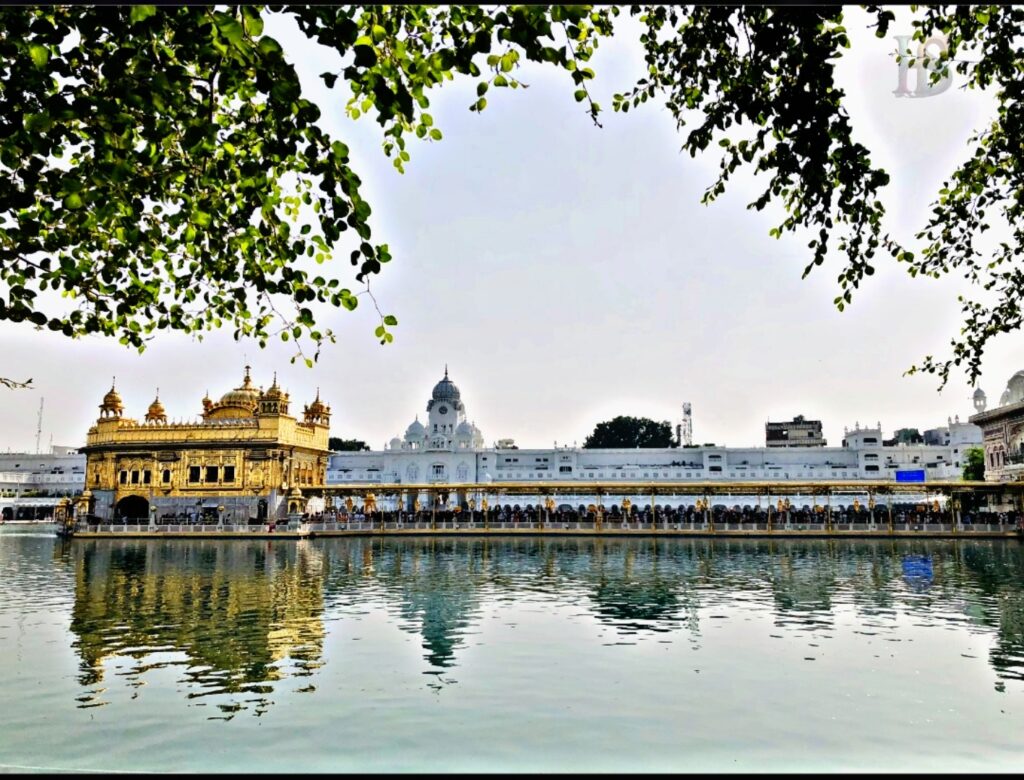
[(140, 13), (390, 320), (73, 201), (230, 28), (580, 95), (40, 55), (268, 45), (253, 21)]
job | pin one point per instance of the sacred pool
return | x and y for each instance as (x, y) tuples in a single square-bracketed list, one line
[(510, 654)]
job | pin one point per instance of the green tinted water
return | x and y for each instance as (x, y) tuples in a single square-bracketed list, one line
[(511, 655)]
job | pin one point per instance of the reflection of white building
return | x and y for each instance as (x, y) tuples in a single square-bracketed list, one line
[(447, 448)]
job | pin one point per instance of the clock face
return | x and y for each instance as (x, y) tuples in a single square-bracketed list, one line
[(442, 409)]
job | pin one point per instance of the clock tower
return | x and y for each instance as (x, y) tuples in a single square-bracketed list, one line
[(445, 412)]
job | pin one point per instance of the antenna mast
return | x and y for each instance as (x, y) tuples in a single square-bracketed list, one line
[(39, 425), (686, 428)]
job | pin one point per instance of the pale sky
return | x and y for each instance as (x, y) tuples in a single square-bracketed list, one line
[(567, 274)]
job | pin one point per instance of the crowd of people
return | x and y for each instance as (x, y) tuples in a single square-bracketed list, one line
[(663, 514), (920, 514)]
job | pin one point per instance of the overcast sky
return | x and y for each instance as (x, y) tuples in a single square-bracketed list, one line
[(567, 274)]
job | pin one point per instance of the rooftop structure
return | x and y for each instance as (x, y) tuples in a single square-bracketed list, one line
[(797, 432)]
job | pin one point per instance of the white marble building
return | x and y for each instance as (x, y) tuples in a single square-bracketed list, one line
[(31, 484), (449, 449)]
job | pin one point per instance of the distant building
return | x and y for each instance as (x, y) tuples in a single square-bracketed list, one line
[(797, 432), (31, 484), (451, 454)]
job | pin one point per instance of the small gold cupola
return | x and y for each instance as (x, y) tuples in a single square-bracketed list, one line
[(111, 406), (275, 400), (317, 411), (156, 412)]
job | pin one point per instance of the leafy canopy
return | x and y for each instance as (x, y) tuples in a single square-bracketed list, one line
[(974, 465), (630, 432), (161, 170), (346, 445)]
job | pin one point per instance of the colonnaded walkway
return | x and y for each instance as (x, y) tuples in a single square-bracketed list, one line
[(855, 509)]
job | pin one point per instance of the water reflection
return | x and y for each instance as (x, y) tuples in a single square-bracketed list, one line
[(238, 618), (234, 617)]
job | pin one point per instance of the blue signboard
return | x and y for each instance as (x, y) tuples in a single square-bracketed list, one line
[(917, 475)]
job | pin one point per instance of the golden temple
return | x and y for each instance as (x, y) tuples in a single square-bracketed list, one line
[(245, 459)]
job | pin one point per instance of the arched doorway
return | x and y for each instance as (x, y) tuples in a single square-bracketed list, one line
[(132, 509)]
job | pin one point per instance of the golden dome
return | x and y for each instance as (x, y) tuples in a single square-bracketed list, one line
[(112, 398), (112, 405), (156, 412), (247, 395)]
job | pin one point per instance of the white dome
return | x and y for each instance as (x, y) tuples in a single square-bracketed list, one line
[(464, 429), (395, 444), (415, 430)]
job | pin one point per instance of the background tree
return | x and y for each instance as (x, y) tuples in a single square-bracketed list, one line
[(160, 168), (908, 436), (630, 432), (974, 464), (346, 445)]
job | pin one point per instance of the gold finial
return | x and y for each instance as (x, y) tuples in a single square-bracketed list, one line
[(247, 380)]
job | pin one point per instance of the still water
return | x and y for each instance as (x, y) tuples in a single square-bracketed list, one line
[(515, 654)]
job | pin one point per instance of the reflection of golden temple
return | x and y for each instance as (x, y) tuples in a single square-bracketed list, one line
[(244, 454), (236, 616)]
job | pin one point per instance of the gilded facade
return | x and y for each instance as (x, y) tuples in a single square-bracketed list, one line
[(245, 459)]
